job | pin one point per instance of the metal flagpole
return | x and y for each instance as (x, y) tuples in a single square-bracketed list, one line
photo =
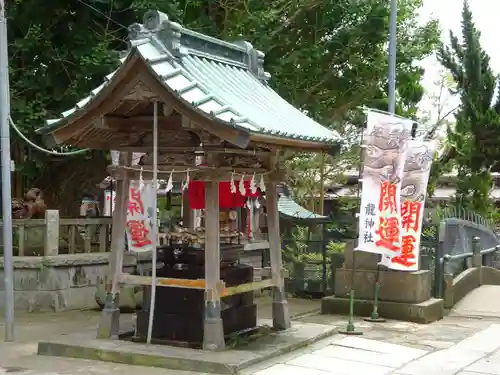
[(375, 317), (350, 328), (154, 228), (392, 56), (6, 174)]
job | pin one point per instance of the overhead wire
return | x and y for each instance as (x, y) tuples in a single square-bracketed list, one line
[(41, 149), (51, 152)]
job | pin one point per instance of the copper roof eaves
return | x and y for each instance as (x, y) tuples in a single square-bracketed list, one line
[(226, 111)]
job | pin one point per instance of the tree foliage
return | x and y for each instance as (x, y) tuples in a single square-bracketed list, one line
[(326, 57), (473, 140), (437, 118)]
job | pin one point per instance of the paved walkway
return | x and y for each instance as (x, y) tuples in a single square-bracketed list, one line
[(482, 301), (478, 354), (456, 345)]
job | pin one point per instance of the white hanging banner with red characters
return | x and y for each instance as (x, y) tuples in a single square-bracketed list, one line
[(385, 143), (416, 172), (109, 202), (140, 216)]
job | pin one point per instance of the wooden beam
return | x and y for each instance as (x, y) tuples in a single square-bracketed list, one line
[(197, 284), (128, 279), (213, 332), (206, 149), (136, 123), (297, 144), (126, 107), (248, 287), (266, 272), (281, 318), (118, 228), (110, 315)]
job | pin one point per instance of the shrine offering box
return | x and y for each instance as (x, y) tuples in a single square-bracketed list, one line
[(195, 255), (179, 312)]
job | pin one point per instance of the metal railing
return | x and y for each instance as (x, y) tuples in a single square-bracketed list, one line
[(475, 258)]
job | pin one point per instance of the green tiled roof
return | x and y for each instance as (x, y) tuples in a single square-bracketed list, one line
[(225, 80), (290, 209)]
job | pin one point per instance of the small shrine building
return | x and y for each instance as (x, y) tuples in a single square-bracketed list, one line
[(200, 106)]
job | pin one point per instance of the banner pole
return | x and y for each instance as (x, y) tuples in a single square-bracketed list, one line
[(350, 328), (154, 229), (375, 316)]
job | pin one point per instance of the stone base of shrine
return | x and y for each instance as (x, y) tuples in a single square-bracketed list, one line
[(395, 286), (68, 281), (425, 312), (235, 358), (402, 295)]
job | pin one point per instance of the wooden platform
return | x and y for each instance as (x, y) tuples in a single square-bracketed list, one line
[(230, 361)]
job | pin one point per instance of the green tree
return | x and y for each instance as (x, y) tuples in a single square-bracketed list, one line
[(57, 54), (437, 116), (326, 57), (473, 140)]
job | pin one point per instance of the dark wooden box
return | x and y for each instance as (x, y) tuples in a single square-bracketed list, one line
[(191, 255), (179, 312), (188, 328)]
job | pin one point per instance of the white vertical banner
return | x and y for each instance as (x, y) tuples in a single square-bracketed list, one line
[(385, 143), (139, 216), (413, 193), (136, 157), (109, 202)]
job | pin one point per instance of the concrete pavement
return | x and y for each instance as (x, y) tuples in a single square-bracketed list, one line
[(482, 301), (456, 345), (478, 354)]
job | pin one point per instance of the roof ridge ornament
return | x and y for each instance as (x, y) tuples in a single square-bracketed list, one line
[(155, 20), (136, 31), (152, 22), (254, 60)]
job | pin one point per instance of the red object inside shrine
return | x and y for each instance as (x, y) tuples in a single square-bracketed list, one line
[(196, 195)]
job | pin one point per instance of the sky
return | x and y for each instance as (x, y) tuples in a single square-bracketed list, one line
[(448, 12)]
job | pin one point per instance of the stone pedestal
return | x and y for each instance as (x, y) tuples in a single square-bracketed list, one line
[(402, 295), (396, 286)]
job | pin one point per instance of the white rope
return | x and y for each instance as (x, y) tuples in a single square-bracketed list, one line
[(41, 149), (187, 171)]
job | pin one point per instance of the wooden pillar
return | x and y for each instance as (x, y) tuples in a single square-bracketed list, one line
[(281, 318), (187, 213), (251, 220), (213, 332), (110, 316)]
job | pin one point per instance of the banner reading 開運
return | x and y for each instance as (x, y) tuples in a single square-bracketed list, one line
[(385, 144), (416, 172)]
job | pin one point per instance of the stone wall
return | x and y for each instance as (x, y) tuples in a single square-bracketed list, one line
[(62, 282)]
